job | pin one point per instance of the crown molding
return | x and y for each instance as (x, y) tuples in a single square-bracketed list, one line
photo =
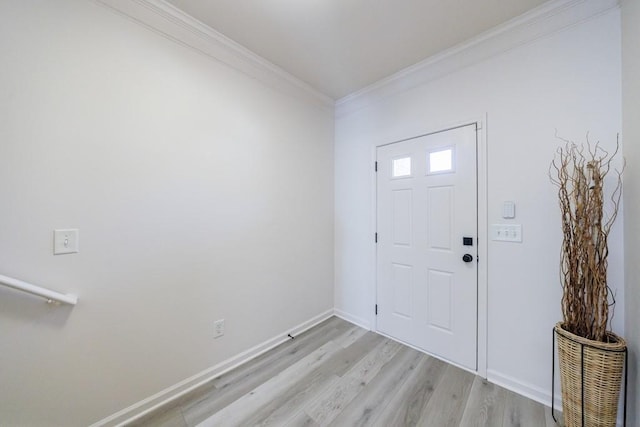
[(177, 26), (547, 19), (173, 24)]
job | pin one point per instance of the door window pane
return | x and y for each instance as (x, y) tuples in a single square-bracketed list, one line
[(401, 167), (441, 161)]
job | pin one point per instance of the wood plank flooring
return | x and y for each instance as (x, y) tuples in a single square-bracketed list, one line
[(337, 374)]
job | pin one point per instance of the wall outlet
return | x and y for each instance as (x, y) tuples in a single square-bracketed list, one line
[(218, 328)]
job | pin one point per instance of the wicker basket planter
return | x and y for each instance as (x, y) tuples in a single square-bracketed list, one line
[(590, 376)]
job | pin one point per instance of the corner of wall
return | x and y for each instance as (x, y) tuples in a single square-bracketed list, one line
[(631, 148)]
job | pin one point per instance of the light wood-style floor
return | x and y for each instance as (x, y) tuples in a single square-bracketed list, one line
[(338, 374)]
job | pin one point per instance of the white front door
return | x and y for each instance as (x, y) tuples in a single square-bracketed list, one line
[(427, 281)]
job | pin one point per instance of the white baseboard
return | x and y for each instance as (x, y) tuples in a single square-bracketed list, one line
[(358, 321), (528, 390), (169, 394), (535, 393), (145, 406)]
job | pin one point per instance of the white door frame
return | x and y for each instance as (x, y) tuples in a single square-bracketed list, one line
[(482, 334)]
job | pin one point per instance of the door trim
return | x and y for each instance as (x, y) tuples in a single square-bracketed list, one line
[(481, 158)]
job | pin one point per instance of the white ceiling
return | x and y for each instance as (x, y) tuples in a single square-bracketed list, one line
[(341, 46)]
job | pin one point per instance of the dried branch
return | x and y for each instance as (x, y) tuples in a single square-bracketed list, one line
[(579, 173)]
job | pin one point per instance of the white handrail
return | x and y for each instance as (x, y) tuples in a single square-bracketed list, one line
[(49, 295)]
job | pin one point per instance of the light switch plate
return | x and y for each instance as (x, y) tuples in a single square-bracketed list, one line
[(66, 241), (506, 232)]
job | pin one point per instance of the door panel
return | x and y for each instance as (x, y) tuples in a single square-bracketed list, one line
[(402, 212), (439, 299), (439, 215), (402, 290), (426, 195)]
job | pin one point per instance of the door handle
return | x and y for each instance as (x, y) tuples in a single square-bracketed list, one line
[(467, 258)]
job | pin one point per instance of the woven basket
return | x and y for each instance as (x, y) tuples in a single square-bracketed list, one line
[(599, 378)]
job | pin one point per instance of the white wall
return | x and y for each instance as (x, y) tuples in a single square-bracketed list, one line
[(631, 133), (199, 193), (569, 81)]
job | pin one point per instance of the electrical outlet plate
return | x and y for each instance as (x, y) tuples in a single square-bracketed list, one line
[(218, 328)]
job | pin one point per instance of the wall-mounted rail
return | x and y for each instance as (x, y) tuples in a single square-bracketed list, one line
[(49, 295)]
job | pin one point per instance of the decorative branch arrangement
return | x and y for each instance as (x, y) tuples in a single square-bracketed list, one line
[(579, 174)]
